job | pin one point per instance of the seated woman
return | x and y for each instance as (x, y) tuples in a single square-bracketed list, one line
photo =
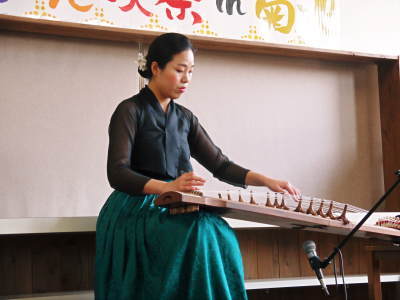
[(143, 252)]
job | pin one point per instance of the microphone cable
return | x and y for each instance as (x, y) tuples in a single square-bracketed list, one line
[(335, 274), (342, 273), (341, 265)]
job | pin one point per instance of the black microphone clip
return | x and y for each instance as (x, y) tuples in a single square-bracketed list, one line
[(315, 262)]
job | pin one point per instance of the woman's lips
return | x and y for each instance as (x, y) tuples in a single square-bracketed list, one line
[(181, 89)]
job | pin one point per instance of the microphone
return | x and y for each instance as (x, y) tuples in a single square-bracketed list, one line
[(311, 251)]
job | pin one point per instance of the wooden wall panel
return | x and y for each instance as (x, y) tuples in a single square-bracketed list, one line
[(389, 98), (363, 256), (23, 267), (289, 253), (91, 257), (248, 244), (71, 258), (326, 244), (267, 253), (46, 269), (46, 263), (15, 267), (351, 257), (7, 268), (65, 262), (274, 253)]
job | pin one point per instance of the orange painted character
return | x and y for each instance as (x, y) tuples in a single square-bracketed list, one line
[(82, 8)]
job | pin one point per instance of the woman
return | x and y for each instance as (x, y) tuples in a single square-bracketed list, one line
[(142, 252)]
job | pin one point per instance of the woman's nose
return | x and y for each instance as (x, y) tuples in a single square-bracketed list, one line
[(186, 77)]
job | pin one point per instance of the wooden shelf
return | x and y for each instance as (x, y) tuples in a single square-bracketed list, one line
[(80, 224), (69, 29), (313, 281)]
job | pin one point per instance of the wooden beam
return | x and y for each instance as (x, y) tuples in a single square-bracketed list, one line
[(70, 29), (389, 98)]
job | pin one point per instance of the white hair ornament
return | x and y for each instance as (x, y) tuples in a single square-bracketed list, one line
[(141, 62)]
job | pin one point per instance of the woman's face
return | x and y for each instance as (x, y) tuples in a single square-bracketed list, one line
[(173, 80)]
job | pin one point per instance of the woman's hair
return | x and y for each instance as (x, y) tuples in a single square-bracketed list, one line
[(162, 50)]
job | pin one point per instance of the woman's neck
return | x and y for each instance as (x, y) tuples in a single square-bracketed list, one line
[(164, 101)]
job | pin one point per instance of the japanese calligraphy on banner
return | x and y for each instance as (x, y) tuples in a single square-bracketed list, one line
[(303, 22)]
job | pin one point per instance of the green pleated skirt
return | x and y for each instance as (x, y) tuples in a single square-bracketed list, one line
[(142, 252)]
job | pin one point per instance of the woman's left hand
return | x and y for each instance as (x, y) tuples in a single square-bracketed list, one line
[(276, 185), (281, 186)]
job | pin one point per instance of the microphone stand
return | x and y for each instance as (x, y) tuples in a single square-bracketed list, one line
[(322, 264)]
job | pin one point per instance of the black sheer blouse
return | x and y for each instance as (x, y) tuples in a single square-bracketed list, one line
[(145, 142)]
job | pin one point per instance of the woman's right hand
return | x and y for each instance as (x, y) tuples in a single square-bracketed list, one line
[(187, 182)]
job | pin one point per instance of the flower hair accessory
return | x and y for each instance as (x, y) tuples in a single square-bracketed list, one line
[(141, 62)]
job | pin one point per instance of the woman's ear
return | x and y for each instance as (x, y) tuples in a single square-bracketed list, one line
[(154, 68)]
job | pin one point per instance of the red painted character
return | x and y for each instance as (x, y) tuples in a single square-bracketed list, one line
[(182, 5), (131, 4)]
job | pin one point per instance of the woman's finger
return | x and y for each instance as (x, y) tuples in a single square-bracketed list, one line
[(278, 189), (193, 183), (292, 191), (298, 192), (194, 180), (189, 188), (194, 177)]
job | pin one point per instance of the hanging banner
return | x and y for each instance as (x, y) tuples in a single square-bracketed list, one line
[(312, 23)]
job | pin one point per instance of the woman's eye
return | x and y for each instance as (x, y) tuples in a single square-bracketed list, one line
[(179, 71)]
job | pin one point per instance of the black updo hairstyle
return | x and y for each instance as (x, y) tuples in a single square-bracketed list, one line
[(162, 50)]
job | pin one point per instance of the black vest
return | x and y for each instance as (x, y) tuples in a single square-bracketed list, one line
[(161, 148)]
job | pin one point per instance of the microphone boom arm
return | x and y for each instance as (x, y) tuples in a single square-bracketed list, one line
[(322, 264)]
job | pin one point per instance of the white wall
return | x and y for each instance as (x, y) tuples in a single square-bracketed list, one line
[(371, 26), (314, 123), (57, 95)]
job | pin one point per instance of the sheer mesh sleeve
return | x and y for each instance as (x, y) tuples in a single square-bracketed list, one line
[(122, 130), (211, 157)]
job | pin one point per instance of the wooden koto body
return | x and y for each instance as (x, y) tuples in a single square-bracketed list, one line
[(256, 212)]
